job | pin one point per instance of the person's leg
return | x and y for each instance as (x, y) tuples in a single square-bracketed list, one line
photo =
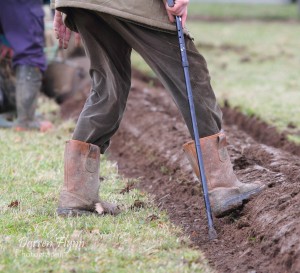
[(165, 60), (110, 70), (28, 84)]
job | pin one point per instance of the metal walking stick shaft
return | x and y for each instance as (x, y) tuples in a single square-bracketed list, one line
[(185, 64)]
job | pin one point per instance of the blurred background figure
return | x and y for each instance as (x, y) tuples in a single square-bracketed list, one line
[(22, 23), (33, 44)]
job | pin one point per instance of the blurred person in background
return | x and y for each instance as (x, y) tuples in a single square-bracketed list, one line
[(22, 23)]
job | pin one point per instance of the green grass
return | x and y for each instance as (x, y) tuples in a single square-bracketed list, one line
[(140, 64), (255, 66), (244, 11), (258, 71), (34, 239)]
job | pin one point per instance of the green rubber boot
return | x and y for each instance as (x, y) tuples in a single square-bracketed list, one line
[(28, 84), (80, 193), (226, 192)]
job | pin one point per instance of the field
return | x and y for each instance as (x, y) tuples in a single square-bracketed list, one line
[(253, 57), (35, 239)]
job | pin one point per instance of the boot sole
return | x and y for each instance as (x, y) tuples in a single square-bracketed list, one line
[(235, 203), (69, 212)]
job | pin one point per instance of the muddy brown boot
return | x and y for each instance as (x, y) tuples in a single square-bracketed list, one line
[(226, 192), (79, 195)]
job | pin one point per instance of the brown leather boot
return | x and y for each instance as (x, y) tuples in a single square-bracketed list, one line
[(79, 195), (226, 192)]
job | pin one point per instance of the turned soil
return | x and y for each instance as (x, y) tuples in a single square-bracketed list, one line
[(263, 235)]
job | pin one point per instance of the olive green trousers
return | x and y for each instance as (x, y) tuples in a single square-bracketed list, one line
[(108, 42)]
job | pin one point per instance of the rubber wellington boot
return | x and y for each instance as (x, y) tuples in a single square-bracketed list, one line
[(28, 84), (79, 195), (226, 192)]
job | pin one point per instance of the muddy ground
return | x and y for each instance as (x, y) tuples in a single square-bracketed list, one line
[(264, 235)]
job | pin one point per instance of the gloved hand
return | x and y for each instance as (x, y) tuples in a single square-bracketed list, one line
[(63, 34), (179, 9)]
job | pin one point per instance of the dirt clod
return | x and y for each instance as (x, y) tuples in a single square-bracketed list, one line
[(14, 204), (138, 204), (129, 186)]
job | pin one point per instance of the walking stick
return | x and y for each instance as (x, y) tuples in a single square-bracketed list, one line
[(211, 230)]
